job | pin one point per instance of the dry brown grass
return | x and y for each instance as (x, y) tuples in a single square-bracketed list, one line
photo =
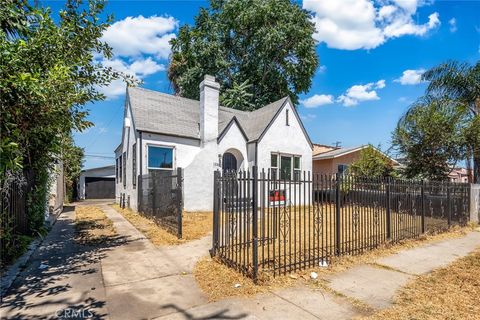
[(218, 281), (195, 226), (92, 226), (449, 293)]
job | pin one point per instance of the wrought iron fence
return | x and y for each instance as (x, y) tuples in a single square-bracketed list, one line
[(278, 226), (160, 196), (13, 212)]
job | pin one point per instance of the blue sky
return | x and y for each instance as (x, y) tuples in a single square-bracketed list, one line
[(371, 53)]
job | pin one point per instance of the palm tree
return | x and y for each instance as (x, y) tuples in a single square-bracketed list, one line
[(460, 82)]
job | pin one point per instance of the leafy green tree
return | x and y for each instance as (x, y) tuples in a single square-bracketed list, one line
[(72, 158), (47, 75), (266, 42), (430, 135), (239, 97), (372, 163), (460, 82)]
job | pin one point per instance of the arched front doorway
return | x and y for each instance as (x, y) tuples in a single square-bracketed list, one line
[(229, 162)]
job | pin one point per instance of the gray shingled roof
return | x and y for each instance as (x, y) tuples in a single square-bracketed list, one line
[(163, 113)]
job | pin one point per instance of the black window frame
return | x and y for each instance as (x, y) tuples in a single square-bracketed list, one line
[(172, 148)]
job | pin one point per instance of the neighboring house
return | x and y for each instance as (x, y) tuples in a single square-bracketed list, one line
[(166, 132), (97, 183), (460, 175), (332, 160)]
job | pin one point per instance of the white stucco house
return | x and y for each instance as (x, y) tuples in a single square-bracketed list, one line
[(166, 132)]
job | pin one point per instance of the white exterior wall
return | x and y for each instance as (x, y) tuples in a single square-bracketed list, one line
[(288, 140), (281, 138), (234, 142), (103, 172), (130, 136)]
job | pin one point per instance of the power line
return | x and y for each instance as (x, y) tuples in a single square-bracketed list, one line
[(107, 127)]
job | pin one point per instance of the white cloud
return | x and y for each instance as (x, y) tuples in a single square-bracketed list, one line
[(453, 25), (317, 100), (308, 117), (380, 84), (322, 69), (138, 69), (134, 36), (411, 77), (366, 24), (359, 93), (114, 90)]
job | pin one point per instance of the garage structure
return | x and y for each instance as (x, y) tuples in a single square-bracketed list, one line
[(97, 183)]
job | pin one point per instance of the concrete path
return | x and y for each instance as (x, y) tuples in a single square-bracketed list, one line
[(60, 278), (143, 281), (376, 285), (132, 279)]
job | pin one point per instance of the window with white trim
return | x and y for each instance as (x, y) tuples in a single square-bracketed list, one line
[(297, 172), (273, 166), (285, 166), (160, 158)]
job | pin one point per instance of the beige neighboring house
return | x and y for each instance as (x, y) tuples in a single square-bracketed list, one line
[(332, 160), (460, 175)]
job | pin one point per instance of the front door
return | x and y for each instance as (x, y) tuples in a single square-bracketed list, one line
[(229, 162)]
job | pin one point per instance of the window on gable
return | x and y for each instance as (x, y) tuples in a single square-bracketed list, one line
[(160, 158), (286, 117)]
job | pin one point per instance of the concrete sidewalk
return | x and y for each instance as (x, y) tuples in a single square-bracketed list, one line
[(132, 279)]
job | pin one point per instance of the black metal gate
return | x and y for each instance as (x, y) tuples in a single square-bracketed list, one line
[(160, 195), (278, 226)]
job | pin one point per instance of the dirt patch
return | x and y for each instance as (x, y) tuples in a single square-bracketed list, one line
[(218, 281), (92, 226), (448, 293), (195, 226)]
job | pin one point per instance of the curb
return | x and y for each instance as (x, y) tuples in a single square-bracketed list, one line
[(12, 272)]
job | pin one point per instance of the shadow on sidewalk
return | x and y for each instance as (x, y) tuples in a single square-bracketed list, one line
[(220, 314), (63, 279)]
